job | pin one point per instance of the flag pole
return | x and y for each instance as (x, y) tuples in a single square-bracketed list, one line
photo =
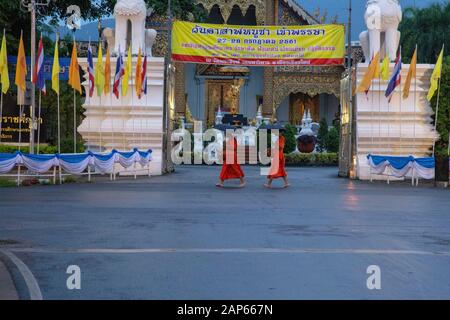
[(415, 101), (379, 108), (111, 88), (1, 103), (437, 114), (20, 126), (400, 106), (39, 123), (74, 121), (146, 101), (437, 108), (1, 113), (59, 111), (59, 125), (372, 114), (133, 109), (74, 109)]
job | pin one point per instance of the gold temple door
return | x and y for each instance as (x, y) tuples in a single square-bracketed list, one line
[(298, 103), (219, 93)]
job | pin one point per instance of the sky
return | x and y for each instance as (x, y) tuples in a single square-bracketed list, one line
[(334, 7)]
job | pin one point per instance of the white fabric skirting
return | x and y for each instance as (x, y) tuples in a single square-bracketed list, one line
[(411, 169), (75, 163)]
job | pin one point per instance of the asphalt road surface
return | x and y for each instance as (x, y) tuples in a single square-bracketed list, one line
[(179, 237)]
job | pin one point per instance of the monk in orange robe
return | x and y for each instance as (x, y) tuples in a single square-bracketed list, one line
[(277, 168), (231, 169)]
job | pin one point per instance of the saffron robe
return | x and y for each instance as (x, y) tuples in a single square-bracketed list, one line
[(231, 170), (277, 168)]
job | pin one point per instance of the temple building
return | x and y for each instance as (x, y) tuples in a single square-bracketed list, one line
[(201, 89)]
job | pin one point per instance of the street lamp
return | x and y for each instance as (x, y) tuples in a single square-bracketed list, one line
[(31, 5)]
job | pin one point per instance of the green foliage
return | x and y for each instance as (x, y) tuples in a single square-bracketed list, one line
[(181, 9), (42, 149), (312, 159), (289, 134), (14, 18), (443, 124), (322, 135), (69, 179), (6, 183), (50, 114), (67, 146), (332, 140), (427, 27)]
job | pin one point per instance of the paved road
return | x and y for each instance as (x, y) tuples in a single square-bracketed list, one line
[(178, 237)]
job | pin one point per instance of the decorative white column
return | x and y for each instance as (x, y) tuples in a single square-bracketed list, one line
[(127, 122), (399, 128)]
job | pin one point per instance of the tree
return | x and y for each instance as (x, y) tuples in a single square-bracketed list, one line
[(15, 18), (427, 27), (443, 120), (332, 140), (322, 135), (181, 9), (289, 134)]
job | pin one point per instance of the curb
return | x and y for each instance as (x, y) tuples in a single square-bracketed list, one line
[(7, 288)]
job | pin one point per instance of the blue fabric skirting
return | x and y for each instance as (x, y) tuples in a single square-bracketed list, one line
[(402, 166), (74, 163)]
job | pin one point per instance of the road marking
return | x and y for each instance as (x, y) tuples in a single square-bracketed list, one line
[(229, 250), (30, 280)]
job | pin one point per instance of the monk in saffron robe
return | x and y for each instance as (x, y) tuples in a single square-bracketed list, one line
[(277, 167), (231, 168)]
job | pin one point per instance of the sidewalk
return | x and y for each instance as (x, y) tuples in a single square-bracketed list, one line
[(7, 288)]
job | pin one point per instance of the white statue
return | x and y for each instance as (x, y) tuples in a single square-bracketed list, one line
[(150, 36), (259, 117), (132, 14), (109, 37), (219, 116), (382, 19)]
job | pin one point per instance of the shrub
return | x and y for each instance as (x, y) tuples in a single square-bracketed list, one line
[(5, 183), (67, 146), (312, 159), (42, 149), (322, 135), (289, 134), (332, 140)]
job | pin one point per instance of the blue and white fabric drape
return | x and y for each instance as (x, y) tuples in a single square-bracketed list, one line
[(75, 163), (401, 167)]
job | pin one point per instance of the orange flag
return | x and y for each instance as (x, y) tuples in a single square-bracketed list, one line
[(21, 69), (411, 74), (371, 72), (139, 75), (108, 72), (74, 71)]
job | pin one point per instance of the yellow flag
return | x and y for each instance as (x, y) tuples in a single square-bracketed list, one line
[(74, 71), (376, 73), (4, 76), (385, 68), (108, 72), (21, 68), (126, 77), (100, 72), (366, 82), (139, 75), (411, 74), (436, 76), (56, 70)]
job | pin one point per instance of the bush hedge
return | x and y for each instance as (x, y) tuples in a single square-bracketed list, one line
[(312, 159), (42, 149)]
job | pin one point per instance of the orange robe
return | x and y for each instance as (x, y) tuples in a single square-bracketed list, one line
[(277, 168), (231, 170)]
